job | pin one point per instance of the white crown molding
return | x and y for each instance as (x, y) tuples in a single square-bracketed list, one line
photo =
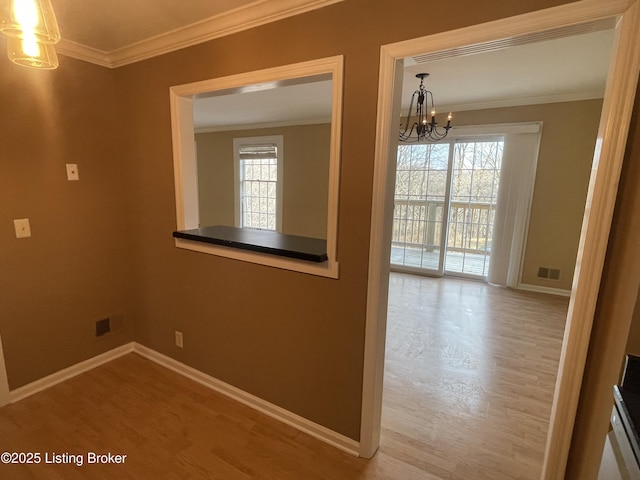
[(233, 21), (523, 101), (84, 53), (258, 126)]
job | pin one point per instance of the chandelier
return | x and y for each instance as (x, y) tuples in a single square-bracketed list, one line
[(31, 30), (424, 128)]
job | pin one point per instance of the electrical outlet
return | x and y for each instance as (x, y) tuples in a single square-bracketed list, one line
[(179, 339)]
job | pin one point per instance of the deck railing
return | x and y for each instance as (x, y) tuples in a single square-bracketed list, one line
[(418, 223)]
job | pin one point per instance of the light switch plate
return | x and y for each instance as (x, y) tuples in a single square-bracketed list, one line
[(72, 172), (23, 228)]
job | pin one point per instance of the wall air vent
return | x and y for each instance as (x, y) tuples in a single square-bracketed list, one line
[(550, 273), (109, 325), (102, 327)]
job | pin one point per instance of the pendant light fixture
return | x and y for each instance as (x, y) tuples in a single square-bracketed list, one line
[(29, 53), (32, 30), (424, 127)]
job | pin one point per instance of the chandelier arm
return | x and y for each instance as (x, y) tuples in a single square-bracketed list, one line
[(408, 117), (407, 137)]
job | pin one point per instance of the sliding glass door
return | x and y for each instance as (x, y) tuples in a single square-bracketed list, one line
[(445, 201), (473, 200), (421, 206)]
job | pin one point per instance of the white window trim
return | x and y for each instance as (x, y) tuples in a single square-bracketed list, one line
[(185, 171), (239, 142)]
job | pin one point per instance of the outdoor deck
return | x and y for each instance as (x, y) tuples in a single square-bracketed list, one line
[(454, 262)]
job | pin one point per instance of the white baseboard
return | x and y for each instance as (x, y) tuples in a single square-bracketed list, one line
[(315, 430), (324, 434), (552, 291), (4, 383), (70, 372)]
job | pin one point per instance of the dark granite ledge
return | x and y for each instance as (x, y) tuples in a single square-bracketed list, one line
[(262, 241)]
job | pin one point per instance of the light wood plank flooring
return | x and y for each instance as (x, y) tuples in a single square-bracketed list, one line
[(469, 379), (468, 392)]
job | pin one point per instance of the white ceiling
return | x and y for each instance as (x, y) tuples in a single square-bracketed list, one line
[(114, 24), (550, 70), (298, 103), (113, 33), (546, 70), (553, 66)]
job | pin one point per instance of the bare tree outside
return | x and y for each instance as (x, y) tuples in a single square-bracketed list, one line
[(422, 172), (258, 186)]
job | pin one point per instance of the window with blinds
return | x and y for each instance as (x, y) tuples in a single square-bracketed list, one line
[(259, 171)]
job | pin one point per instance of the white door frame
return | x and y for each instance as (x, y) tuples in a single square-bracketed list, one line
[(610, 145), (4, 383)]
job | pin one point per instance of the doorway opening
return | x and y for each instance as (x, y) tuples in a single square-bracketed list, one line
[(620, 91)]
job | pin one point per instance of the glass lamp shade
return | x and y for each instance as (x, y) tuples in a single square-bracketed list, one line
[(24, 18), (28, 52)]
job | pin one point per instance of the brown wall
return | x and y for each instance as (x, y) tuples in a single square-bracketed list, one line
[(73, 270), (305, 177), (299, 341), (295, 340), (562, 177), (216, 190)]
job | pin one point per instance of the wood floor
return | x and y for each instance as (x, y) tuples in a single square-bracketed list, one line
[(470, 375), (469, 380)]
